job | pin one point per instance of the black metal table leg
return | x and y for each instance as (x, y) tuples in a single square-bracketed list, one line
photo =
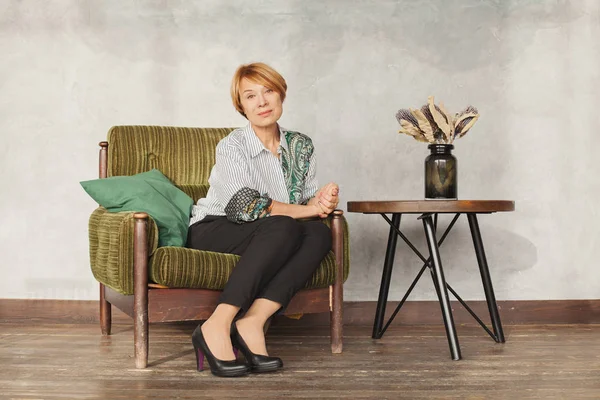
[(386, 277), (485, 277), (431, 270), (441, 284)]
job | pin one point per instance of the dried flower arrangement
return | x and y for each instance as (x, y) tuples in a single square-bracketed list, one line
[(433, 124)]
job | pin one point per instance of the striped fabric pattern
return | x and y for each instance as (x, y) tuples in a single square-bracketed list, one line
[(111, 253), (242, 161), (178, 267), (194, 191), (186, 156), (111, 248)]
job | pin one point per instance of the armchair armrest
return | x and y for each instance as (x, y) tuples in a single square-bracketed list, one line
[(339, 230), (340, 246), (111, 238)]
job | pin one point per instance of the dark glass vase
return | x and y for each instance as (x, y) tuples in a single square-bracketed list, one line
[(440, 172)]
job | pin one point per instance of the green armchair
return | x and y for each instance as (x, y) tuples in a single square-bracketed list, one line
[(166, 284)]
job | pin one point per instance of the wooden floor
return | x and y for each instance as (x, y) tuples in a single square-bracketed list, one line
[(76, 362)]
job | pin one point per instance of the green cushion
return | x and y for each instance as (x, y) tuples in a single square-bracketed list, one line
[(178, 267), (111, 254), (189, 268), (149, 192)]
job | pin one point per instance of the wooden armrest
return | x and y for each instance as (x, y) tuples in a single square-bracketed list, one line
[(337, 232)]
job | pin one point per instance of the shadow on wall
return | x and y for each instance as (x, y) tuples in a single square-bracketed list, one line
[(508, 254), (505, 251)]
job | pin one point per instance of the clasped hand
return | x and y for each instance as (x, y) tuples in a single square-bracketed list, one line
[(326, 200)]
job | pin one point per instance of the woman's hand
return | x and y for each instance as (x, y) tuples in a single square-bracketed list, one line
[(321, 205), (318, 209), (326, 199)]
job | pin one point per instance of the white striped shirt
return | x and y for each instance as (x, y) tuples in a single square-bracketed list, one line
[(242, 161)]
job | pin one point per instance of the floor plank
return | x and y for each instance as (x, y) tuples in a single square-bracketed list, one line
[(413, 362)]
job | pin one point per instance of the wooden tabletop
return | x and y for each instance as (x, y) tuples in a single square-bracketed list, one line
[(430, 206)]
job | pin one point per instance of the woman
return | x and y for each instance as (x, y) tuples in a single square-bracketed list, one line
[(263, 181)]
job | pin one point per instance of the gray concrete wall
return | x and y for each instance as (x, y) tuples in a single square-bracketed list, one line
[(71, 69)]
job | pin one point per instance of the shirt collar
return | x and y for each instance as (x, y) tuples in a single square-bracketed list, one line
[(254, 144)]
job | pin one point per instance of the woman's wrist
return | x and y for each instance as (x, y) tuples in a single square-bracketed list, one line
[(296, 211)]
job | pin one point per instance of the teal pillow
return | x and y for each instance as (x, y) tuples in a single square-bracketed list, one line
[(149, 192)]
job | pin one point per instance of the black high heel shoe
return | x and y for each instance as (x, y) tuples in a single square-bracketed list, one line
[(258, 362), (217, 367)]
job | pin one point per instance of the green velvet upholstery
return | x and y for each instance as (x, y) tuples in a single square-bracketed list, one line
[(150, 192), (187, 268), (185, 156), (111, 248)]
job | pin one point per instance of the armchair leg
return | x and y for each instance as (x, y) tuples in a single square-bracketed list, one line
[(336, 320), (105, 313), (337, 289), (140, 290), (140, 337)]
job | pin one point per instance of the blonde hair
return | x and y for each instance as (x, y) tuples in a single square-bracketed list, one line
[(258, 73)]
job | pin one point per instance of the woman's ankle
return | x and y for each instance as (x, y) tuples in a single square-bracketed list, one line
[(252, 320), (216, 335), (224, 314), (252, 333)]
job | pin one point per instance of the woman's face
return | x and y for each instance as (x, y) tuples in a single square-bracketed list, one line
[(261, 105)]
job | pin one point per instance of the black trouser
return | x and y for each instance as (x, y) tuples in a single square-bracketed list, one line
[(278, 255)]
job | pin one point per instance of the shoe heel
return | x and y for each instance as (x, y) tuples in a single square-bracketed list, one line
[(235, 352), (225, 368), (199, 359)]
